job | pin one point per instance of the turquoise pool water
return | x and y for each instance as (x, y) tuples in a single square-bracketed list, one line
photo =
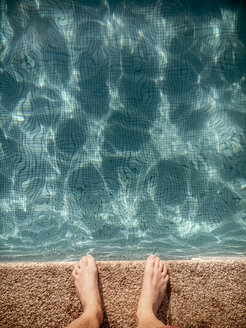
[(122, 129)]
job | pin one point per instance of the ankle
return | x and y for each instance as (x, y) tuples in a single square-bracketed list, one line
[(94, 313), (145, 313), (146, 318)]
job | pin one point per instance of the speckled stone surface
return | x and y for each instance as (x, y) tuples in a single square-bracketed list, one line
[(201, 293)]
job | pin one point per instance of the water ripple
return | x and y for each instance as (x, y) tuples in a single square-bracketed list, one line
[(122, 129)]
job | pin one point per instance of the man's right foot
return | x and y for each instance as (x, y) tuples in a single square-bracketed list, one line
[(154, 286)]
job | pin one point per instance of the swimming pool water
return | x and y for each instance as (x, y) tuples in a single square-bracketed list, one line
[(122, 129)]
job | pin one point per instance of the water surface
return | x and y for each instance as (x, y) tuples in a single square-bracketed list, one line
[(122, 129)]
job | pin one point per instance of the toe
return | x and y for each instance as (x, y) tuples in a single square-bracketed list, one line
[(157, 263), (74, 274), (161, 267), (166, 279), (76, 268), (164, 269), (91, 259), (83, 261), (150, 261), (91, 262)]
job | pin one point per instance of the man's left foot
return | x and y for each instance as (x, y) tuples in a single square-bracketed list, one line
[(85, 276)]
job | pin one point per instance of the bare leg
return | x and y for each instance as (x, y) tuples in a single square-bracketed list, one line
[(85, 276), (153, 291)]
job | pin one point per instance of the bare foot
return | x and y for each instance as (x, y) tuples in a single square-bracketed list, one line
[(154, 285), (85, 276)]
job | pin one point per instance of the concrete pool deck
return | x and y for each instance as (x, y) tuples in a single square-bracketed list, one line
[(202, 293)]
